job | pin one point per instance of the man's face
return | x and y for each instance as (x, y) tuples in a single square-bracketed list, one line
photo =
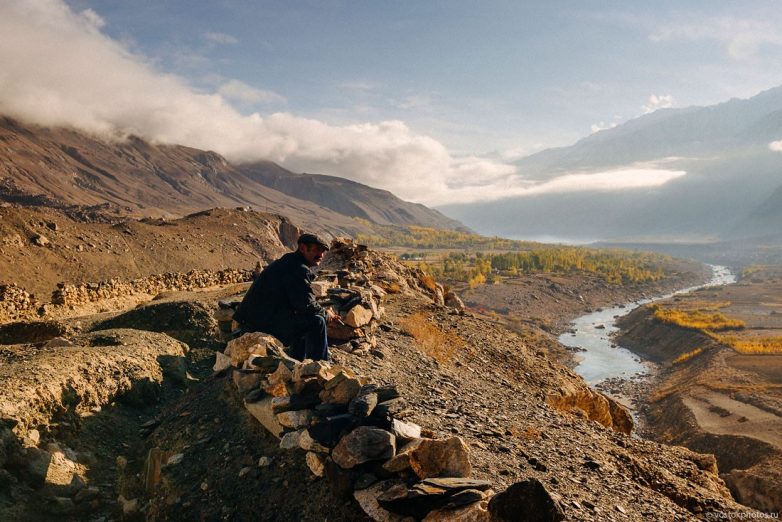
[(312, 253)]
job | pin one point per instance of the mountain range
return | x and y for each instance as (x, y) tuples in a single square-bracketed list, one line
[(732, 187), (60, 167)]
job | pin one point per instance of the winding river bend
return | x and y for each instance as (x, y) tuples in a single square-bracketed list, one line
[(602, 358)]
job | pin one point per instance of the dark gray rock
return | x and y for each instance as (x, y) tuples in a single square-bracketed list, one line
[(528, 500)]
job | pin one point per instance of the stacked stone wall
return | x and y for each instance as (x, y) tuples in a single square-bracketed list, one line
[(17, 304)]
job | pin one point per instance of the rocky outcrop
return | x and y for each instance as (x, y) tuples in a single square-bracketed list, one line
[(594, 405)]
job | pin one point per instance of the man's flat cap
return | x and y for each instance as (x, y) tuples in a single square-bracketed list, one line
[(312, 239)]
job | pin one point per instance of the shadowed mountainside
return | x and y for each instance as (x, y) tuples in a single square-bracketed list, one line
[(60, 167)]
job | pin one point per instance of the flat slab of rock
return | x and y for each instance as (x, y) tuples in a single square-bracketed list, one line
[(476, 512), (364, 444), (367, 499)]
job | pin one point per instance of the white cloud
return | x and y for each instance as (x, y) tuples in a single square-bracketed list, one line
[(776, 146), (220, 38), (240, 91), (629, 178), (597, 127), (663, 101), (93, 18), (59, 69)]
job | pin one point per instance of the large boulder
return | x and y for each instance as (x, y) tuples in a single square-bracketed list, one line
[(527, 500)]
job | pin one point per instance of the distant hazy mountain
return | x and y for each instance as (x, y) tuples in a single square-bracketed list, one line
[(59, 166), (731, 171)]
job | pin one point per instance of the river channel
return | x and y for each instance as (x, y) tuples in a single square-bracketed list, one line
[(602, 358)]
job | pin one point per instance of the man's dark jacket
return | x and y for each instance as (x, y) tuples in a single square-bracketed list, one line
[(280, 301)]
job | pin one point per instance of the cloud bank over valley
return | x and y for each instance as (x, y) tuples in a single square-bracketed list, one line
[(60, 68)]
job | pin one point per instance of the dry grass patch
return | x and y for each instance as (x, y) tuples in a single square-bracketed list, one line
[(704, 318), (431, 339), (754, 345)]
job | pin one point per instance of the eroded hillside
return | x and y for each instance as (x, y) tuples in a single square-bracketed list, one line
[(184, 446)]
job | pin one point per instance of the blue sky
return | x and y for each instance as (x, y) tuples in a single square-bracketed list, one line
[(461, 87)]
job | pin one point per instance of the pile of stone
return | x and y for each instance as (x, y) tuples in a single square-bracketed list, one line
[(357, 265), (354, 433), (75, 295), (16, 303)]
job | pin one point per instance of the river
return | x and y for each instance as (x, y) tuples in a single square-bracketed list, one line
[(602, 358)]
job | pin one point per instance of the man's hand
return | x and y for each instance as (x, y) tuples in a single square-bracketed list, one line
[(333, 317)]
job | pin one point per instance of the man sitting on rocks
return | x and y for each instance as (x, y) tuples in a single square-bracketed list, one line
[(280, 302)]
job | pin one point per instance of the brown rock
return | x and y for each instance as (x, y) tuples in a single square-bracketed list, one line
[(363, 445), (342, 332), (246, 380), (250, 343), (343, 392), (358, 316), (316, 463), (295, 419), (441, 458), (401, 461), (281, 375)]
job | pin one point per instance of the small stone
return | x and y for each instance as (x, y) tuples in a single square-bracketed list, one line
[(204, 486), (244, 471), (129, 506), (40, 240), (316, 463), (264, 462), (34, 436), (222, 362), (175, 459), (307, 443), (246, 380), (310, 368), (295, 419), (291, 440), (405, 430)]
